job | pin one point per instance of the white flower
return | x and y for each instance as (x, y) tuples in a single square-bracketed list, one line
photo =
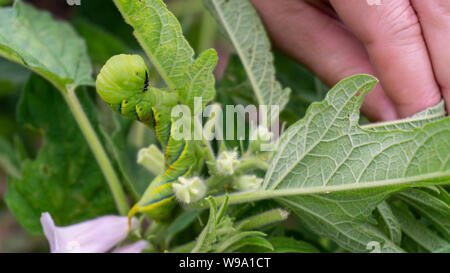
[(189, 189), (247, 182), (227, 161), (92, 236)]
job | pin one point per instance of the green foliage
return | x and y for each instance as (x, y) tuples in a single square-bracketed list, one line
[(346, 186), (160, 35), (337, 173), (58, 53), (417, 230), (9, 159), (290, 245), (433, 206), (220, 234), (246, 32), (62, 179)]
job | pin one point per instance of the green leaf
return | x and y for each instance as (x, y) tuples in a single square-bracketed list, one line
[(418, 231), (290, 245), (64, 179), (5, 2), (327, 151), (9, 159), (443, 250), (181, 222), (48, 47), (161, 37), (220, 234), (431, 206), (208, 234), (258, 242), (235, 84), (343, 217), (12, 77), (306, 87), (235, 239), (246, 32), (332, 173), (417, 121), (390, 222)]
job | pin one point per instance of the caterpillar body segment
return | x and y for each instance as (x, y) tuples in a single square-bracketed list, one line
[(123, 83)]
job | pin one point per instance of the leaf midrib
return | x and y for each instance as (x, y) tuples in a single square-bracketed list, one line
[(305, 152), (250, 75)]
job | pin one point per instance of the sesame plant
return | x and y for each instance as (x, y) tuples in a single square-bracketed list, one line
[(129, 105)]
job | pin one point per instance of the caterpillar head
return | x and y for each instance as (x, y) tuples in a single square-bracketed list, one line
[(122, 77)]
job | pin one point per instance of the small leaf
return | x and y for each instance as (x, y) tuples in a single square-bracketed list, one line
[(208, 234), (391, 223)]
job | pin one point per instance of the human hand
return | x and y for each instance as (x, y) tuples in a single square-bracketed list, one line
[(404, 43)]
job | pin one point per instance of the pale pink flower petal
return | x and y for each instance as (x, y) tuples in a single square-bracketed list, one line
[(136, 247), (92, 236)]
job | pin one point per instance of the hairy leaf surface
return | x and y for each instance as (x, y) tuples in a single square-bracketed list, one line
[(160, 35), (349, 170), (327, 151), (48, 47), (246, 32)]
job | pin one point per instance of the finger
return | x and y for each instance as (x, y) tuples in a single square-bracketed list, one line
[(435, 20), (324, 46), (392, 36)]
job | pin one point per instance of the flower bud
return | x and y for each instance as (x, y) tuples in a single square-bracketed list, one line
[(152, 159), (227, 161), (260, 135), (189, 190), (247, 182)]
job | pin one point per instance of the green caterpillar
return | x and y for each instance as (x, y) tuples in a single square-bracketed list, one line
[(123, 83)]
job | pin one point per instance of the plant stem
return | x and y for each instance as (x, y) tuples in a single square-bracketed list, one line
[(251, 163), (98, 151), (262, 219), (211, 158)]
